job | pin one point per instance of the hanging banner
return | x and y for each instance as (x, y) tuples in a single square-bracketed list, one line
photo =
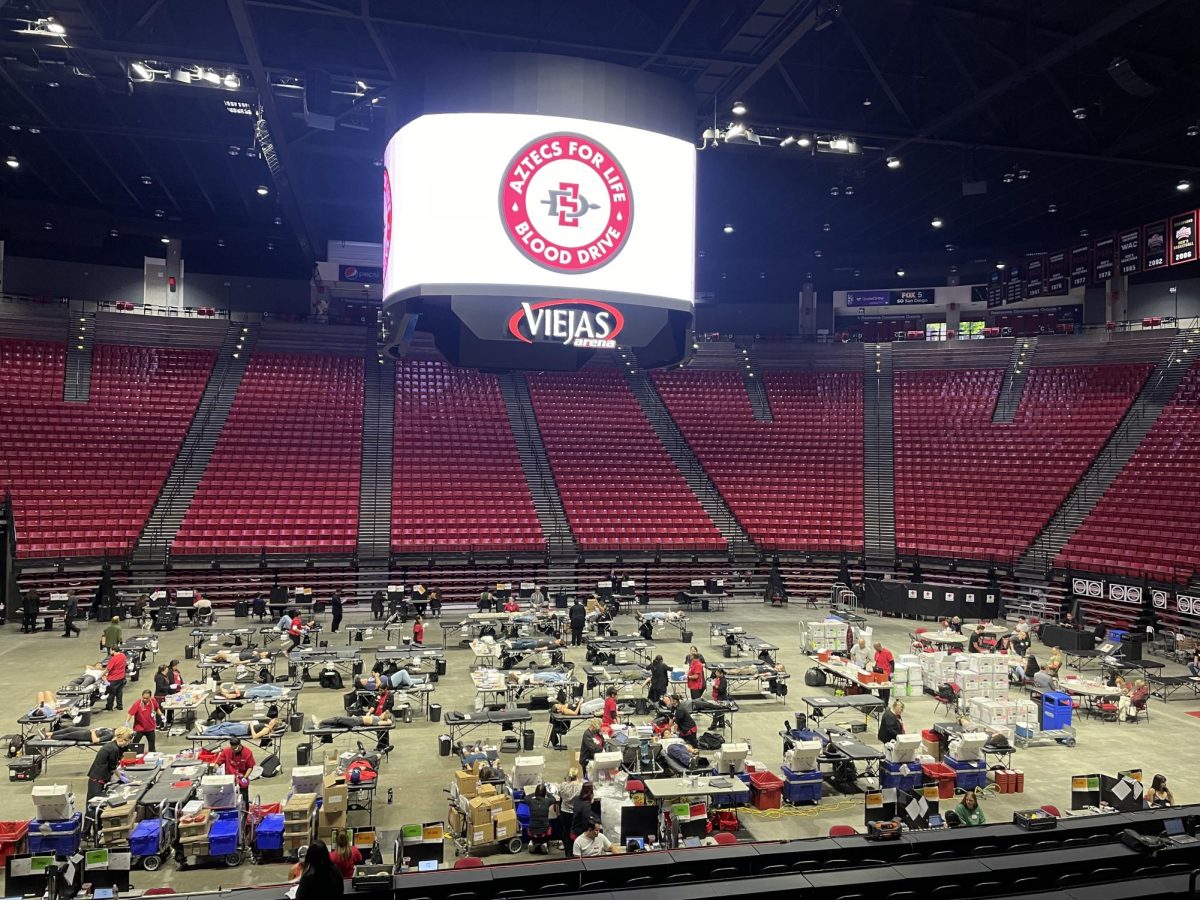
[(1183, 238), (1035, 269), (1104, 259), (1155, 242), (1056, 272), (995, 291), (1081, 265), (1129, 251), (1014, 288)]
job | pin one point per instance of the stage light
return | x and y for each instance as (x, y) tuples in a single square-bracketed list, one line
[(949, 248), (1183, 186), (1009, 177), (866, 101), (804, 141), (211, 77), (936, 222), (262, 190), (899, 273), (362, 85), (1052, 208), (893, 162), (848, 190), (1079, 112), (728, 229), (278, 221), (787, 141), (270, 245), (1193, 130), (1083, 232), (112, 232), (220, 242), (47, 226), (183, 76), (834, 191), (55, 27), (12, 162), (738, 108), (146, 179), (158, 213), (233, 81), (164, 239), (1022, 174), (140, 70), (734, 130), (999, 265), (827, 227)]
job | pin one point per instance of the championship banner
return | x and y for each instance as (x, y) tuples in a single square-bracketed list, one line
[(1104, 259), (1056, 272), (1014, 289), (1087, 587), (995, 290), (1155, 242), (1034, 270), (1081, 264), (1183, 238), (1129, 251)]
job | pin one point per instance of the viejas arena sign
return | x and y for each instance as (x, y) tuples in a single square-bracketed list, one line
[(587, 324)]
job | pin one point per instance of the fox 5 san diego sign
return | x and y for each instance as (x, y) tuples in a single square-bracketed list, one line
[(540, 208)]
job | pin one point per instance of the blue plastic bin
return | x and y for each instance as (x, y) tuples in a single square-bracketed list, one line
[(269, 835), (904, 776), (144, 840), (56, 837), (1056, 711), (802, 787), (223, 833)]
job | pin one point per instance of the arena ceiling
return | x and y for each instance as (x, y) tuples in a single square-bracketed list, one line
[(1091, 99)]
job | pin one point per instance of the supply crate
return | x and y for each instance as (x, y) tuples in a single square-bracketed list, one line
[(144, 841), (60, 838), (945, 777), (269, 836), (905, 776), (12, 836), (802, 787), (767, 790), (223, 835)]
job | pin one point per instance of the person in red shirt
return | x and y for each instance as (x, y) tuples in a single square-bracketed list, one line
[(695, 675), (511, 605), (609, 717), (143, 717), (885, 663), (418, 631), (345, 855), (237, 761), (115, 670)]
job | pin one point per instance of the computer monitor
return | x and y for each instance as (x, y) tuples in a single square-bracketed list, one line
[(638, 821), (1174, 827), (427, 865), (638, 842)]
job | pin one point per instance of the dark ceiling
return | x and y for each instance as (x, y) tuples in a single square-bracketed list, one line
[(959, 90)]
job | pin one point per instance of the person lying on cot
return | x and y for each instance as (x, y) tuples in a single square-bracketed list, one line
[(254, 730), (81, 735)]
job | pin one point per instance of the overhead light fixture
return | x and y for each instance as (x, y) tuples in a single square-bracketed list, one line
[(278, 221), (47, 226), (1083, 232), (834, 191), (220, 242), (270, 245), (857, 273), (234, 150), (262, 190), (13, 163), (1193, 130), (893, 162), (210, 76), (146, 179), (375, 101), (1000, 265), (183, 76), (1022, 175), (1183, 186), (787, 141), (899, 273), (233, 81), (1079, 112), (936, 222), (140, 70), (738, 108), (734, 130), (35, 130), (950, 248), (866, 101), (818, 253), (1009, 177), (361, 85), (848, 190), (804, 141), (112, 232), (838, 144), (1052, 208), (827, 227), (52, 25), (728, 229), (164, 239)]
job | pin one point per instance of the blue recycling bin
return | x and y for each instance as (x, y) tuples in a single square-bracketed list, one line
[(1056, 711)]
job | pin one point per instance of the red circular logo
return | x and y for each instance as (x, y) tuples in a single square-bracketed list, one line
[(566, 204), (387, 220)]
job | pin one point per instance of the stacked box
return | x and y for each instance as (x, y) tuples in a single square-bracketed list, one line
[(968, 773), (1025, 713), (116, 823), (332, 816), (987, 711), (193, 831), (490, 818), (823, 636), (801, 787), (297, 821)]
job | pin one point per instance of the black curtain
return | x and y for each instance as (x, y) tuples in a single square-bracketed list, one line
[(8, 553)]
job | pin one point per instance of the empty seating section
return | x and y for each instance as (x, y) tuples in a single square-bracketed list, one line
[(619, 487), (968, 487), (1148, 523), (795, 483), (84, 477), (457, 476), (284, 476)]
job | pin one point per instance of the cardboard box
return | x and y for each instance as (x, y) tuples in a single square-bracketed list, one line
[(456, 821), (500, 803), (299, 807), (336, 797), (486, 790), (123, 812), (480, 811), (482, 833), (506, 825), (467, 784)]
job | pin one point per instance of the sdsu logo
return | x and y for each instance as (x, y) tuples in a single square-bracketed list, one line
[(565, 203), (585, 324)]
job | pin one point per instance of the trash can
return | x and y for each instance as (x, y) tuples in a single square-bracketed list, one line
[(303, 754), (443, 745), (729, 648), (241, 609), (528, 739), (435, 712), (189, 652), (686, 637), (296, 722), (441, 666)]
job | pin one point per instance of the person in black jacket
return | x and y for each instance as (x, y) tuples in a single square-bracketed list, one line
[(164, 686), (659, 676), (591, 744), (320, 878), (105, 763), (377, 605), (578, 616), (892, 723), (29, 611), (335, 604), (70, 611)]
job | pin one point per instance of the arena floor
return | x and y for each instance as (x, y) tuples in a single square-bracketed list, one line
[(419, 776)]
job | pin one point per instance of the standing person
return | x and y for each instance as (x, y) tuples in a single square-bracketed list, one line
[(70, 612), (112, 635), (320, 878), (584, 813), (541, 812), (345, 855), (335, 604), (891, 723), (861, 655), (609, 716), (435, 603), (591, 744), (577, 616), (695, 675), (418, 636), (115, 671), (237, 761), (485, 601), (144, 716), (107, 759), (163, 688), (537, 599), (29, 612), (568, 794), (720, 694), (885, 663), (658, 680), (377, 605)]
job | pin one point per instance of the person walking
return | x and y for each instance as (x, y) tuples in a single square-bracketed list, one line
[(335, 604), (418, 633), (658, 680), (70, 612), (112, 636), (115, 671), (577, 615), (144, 716), (885, 664)]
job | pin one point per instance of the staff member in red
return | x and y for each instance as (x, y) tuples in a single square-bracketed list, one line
[(418, 631), (115, 671), (143, 717), (609, 717), (695, 675), (237, 761), (885, 664)]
